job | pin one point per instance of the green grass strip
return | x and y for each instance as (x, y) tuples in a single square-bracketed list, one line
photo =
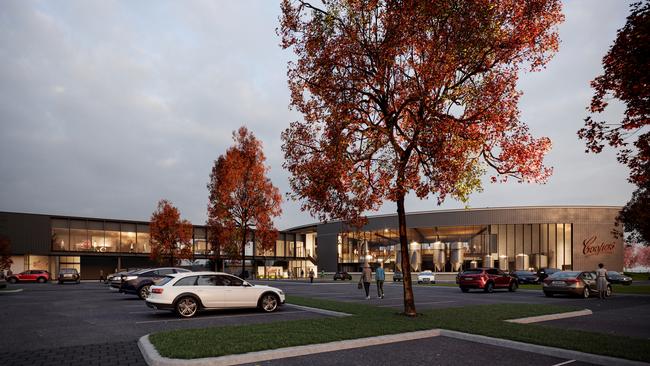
[(368, 321)]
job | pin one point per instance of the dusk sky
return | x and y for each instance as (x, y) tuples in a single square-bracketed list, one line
[(108, 106)]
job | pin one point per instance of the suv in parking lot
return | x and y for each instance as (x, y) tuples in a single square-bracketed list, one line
[(34, 275), (139, 282), (486, 279), (69, 274)]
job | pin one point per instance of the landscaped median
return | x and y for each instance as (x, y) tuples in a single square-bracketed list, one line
[(369, 321), (616, 289)]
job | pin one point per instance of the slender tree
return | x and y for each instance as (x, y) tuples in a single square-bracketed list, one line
[(626, 77), (242, 199), (410, 96), (5, 253), (171, 237)]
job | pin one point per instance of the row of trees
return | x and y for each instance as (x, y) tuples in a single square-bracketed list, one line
[(242, 199)]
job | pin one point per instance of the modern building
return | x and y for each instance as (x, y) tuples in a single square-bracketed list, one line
[(511, 238), (92, 245)]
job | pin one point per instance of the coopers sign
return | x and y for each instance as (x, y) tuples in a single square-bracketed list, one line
[(593, 246)]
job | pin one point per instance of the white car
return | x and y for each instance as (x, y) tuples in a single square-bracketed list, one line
[(426, 277), (187, 293)]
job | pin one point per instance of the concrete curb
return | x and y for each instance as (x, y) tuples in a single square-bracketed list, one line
[(153, 358), (543, 350), (543, 318), (2, 292), (317, 310)]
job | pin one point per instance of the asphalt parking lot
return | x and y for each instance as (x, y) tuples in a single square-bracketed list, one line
[(75, 324)]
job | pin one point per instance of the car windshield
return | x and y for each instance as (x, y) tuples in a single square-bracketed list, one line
[(426, 272), (563, 275), (68, 270), (473, 271), (612, 273), (165, 280), (523, 273)]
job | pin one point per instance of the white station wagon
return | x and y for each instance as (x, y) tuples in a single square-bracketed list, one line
[(187, 293)]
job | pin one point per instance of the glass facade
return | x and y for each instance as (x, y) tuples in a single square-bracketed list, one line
[(452, 248)]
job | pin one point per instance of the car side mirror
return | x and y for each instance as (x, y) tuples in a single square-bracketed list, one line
[(246, 284)]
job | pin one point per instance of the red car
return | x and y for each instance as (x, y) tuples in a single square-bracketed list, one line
[(486, 279), (34, 275)]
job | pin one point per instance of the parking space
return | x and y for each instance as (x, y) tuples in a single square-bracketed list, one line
[(427, 352), (46, 316)]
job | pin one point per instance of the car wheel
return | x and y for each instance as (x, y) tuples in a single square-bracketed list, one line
[(513, 286), (186, 307), (269, 302), (608, 293), (489, 287), (548, 294), (464, 289), (40, 280), (586, 293), (13, 280), (143, 292)]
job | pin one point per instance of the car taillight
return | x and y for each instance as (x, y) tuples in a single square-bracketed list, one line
[(484, 277), (156, 291)]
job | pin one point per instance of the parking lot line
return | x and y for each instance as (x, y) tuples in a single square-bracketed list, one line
[(564, 363), (214, 316)]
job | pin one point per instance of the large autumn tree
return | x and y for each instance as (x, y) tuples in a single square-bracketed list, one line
[(171, 236), (626, 78), (242, 199), (410, 96)]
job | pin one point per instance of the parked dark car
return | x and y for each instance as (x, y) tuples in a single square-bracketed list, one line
[(342, 276), (69, 275), (486, 279), (34, 275), (525, 277), (139, 282), (398, 276), (542, 273), (572, 283), (619, 278)]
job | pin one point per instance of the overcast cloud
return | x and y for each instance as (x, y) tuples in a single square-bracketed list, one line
[(107, 107)]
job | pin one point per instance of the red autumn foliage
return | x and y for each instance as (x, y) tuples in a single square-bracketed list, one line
[(626, 78), (243, 201), (171, 237), (410, 96), (5, 253)]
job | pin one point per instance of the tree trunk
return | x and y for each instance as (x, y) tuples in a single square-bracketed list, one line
[(409, 301), (243, 253)]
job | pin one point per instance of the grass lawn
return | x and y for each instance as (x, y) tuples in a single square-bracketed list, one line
[(368, 321)]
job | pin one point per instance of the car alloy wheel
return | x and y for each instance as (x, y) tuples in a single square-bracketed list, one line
[(513, 286), (608, 293), (144, 291), (40, 280), (269, 303), (186, 307), (489, 287), (586, 293), (13, 280)]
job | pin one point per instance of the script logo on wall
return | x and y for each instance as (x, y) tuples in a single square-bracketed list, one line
[(591, 246)]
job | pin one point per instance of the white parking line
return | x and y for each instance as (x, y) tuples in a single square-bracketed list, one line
[(564, 363), (213, 317)]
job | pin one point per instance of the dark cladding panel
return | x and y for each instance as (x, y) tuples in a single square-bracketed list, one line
[(28, 233)]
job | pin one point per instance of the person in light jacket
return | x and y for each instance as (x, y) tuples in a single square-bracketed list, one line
[(366, 277), (601, 281), (380, 275)]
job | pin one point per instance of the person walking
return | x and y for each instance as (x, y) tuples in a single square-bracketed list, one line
[(380, 275), (101, 276), (311, 275), (366, 277), (601, 281)]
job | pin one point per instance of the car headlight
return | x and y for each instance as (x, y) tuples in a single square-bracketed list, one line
[(129, 278)]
